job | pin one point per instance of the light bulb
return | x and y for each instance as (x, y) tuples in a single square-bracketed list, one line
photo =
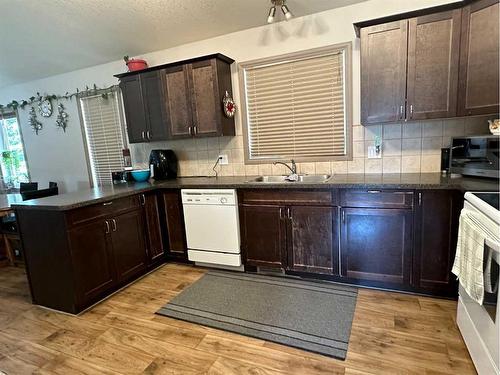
[(272, 12), (286, 12)]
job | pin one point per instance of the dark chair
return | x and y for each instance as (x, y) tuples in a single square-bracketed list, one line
[(28, 186), (35, 194)]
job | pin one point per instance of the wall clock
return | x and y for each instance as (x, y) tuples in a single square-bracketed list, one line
[(45, 108)]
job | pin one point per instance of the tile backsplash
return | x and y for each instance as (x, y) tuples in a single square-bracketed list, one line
[(407, 147)]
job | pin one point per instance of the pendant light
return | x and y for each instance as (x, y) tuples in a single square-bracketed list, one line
[(284, 8)]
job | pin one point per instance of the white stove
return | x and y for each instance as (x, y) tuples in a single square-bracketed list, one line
[(480, 324)]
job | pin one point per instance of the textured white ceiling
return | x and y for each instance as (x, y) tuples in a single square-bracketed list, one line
[(42, 38)]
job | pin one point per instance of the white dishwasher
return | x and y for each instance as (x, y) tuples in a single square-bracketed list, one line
[(212, 227)]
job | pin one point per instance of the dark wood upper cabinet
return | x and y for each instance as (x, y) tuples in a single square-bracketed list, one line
[(263, 235), (135, 113), (433, 60), (376, 244), (313, 239), (92, 258), (177, 245), (479, 59), (383, 72), (178, 111), (153, 105), (178, 100), (155, 249), (436, 231)]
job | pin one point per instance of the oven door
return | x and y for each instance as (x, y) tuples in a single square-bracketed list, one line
[(479, 324)]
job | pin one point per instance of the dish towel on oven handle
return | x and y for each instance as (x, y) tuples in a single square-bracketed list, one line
[(469, 258)]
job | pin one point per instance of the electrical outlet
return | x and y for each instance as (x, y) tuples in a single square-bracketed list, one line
[(223, 159), (373, 154)]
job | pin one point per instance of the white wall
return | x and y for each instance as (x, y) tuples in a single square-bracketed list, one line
[(57, 156)]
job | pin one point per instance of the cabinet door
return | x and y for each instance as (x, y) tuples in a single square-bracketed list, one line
[(204, 92), (436, 228), (383, 72), (175, 224), (134, 108), (313, 239), (129, 247), (92, 260), (177, 102), (433, 59), (479, 61), (153, 106), (155, 248), (263, 232), (376, 244)]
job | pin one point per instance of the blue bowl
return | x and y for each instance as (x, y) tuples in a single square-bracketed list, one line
[(141, 175)]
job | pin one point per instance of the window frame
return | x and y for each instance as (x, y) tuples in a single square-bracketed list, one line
[(15, 113), (315, 52), (115, 90)]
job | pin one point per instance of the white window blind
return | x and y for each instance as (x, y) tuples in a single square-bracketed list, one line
[(296, 107), (104, 135)]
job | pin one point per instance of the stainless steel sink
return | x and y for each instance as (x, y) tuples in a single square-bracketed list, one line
[(311, 178)]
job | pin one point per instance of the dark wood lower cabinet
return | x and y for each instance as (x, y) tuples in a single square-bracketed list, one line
[(174, 217), (129, 245), (155, 249), (436, 231), (376, 244), (92, 259), (263, 235), (313, 239)]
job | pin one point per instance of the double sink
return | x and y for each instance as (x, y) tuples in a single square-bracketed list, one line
[(311, 179)]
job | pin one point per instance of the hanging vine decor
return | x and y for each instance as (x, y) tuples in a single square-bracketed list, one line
[(22, 103), (34, 123), (62, 118)]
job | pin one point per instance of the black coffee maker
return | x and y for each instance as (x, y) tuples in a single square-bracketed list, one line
[(164, 164)]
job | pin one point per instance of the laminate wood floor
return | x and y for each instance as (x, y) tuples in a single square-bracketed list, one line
[(392, 334)]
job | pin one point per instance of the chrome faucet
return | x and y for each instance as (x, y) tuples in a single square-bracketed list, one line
[(293, 168)]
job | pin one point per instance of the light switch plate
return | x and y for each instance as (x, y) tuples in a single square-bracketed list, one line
[(372, 153), (223, 159)]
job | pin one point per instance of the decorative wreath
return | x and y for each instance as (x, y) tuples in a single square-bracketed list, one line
[(228, 105)]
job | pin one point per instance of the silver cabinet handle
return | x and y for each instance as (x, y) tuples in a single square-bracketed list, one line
[(107, 226), (411, 110), (419, 199), (107, 203), (114, 224), (148, 134), (401, 110), (143, 199), (281, 212), (373, 191), (289, 213), (190, 130), (143, 134), (195, 130), (343, 216)]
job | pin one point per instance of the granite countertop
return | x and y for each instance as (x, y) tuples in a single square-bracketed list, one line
[(352, 181)]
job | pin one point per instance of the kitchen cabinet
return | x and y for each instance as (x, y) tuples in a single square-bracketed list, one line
[(479, 59), (433, 65), (78, 256), (178, 100), (193, 98), (151, 207), (376, 244), (263, 235), (92, 259), (433, 61), (142, 101), (128, 242), (436, 230), (293, 230), (313, 239), (383, 72), (175, 229)]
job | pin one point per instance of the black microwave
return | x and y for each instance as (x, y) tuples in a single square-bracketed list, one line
[(475, 156)]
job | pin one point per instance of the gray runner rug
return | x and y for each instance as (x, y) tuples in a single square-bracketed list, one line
[(314, 316)]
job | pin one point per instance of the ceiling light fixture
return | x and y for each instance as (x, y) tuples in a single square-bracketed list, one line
[(284, 8)]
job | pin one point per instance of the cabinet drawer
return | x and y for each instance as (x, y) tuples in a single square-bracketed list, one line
[(377, 198), (273, 197), (108, 208)]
